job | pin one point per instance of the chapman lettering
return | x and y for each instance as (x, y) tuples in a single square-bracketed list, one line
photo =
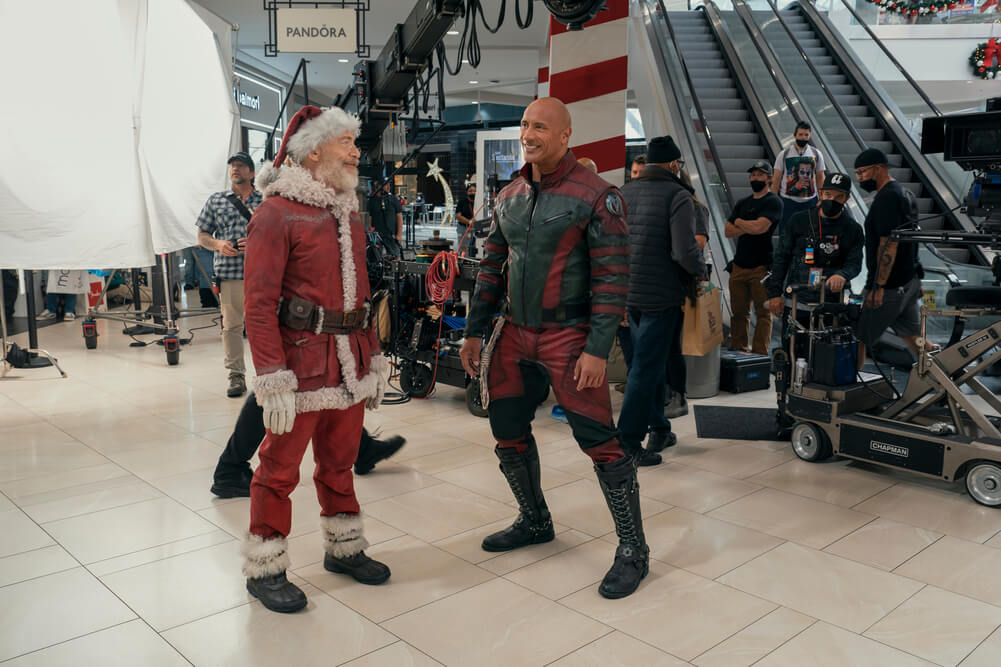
[(893, 450)]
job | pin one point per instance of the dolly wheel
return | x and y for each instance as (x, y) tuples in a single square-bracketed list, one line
[(415, 379), (983, 483), (473, 399), (810, 443)]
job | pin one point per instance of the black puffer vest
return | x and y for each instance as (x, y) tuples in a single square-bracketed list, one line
[(656, 281)]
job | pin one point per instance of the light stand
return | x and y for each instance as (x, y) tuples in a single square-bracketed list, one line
[(36, 357)]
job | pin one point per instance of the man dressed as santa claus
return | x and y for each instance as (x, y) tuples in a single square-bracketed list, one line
[(317, 359)]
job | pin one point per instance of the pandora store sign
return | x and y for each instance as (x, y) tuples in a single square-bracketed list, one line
[(317, 30)]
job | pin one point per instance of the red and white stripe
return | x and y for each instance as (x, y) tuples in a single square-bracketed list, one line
[(589, 72)]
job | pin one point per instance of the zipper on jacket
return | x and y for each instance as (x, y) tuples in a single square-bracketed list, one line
[(528, 234), (558, 216)]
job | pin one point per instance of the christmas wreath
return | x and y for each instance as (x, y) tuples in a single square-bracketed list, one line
[(986, 59), (914, 8)]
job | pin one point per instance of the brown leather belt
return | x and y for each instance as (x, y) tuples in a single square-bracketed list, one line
[(302, 315)]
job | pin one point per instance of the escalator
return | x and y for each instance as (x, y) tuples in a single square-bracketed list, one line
[(735, 131), (797, 32)]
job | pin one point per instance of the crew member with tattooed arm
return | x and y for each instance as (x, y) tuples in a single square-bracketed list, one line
[(893, 284)]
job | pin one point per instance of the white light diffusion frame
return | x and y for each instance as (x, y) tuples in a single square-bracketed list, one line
[(114, 129)]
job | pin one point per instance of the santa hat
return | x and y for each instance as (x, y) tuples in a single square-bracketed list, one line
[(310, 128)]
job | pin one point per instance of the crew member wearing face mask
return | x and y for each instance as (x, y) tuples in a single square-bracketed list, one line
[(821, 244), (824, 243), (799, 174), (751, 223), (893, 283)]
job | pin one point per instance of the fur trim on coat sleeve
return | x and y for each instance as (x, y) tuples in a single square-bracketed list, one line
[(276, 383)]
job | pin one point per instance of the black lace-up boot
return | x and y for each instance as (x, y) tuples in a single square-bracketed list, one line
[(533, 525), (632, 557)]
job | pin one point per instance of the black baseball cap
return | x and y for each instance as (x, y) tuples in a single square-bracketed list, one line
[(839, 182), (244, 158), (761, 165), (870, 157)]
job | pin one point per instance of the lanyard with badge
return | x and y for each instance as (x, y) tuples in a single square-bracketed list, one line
[(828, 249)]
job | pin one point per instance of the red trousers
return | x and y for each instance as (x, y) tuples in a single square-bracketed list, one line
[(335, 435), (525, 363)]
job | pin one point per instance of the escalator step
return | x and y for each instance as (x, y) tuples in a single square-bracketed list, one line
[(718, 103), (848, 100), (735, 139), (727, 115), (902, 174), (732, 164), (712, 93), (749, 152), (731, 127), (874, 134), (853, 111), (916, 188), (925, 204)]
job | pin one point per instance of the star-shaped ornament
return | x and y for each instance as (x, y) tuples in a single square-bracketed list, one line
[(434, 171)]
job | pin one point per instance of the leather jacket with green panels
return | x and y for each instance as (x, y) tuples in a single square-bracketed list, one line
[(557, 256)]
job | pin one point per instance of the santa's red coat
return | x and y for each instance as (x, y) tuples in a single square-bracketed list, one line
[(307, 240)]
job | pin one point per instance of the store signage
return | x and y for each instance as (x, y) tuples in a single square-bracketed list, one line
[(259, 101), (245, 100), (317, 30)]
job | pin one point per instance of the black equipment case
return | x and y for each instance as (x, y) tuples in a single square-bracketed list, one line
[(743, 371)]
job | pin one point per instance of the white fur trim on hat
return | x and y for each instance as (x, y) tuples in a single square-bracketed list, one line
[(266, 175), (276, 383), (343, 535), (317, 131), (264, 558)]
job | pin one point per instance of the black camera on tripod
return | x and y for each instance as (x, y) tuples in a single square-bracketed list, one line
[(973, 141)]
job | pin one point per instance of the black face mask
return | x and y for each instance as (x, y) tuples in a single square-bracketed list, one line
[(802, 143), (758, 186), (869, 185), (831, 208)]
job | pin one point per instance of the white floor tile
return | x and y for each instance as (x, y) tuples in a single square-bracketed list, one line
[(45, 611), (126, 645)]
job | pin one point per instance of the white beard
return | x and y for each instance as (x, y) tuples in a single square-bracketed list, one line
[(334, 175)]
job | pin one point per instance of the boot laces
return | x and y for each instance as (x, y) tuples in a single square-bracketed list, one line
[(618, 499)]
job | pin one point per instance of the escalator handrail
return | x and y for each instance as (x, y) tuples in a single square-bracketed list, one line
[(771, 140), (914, 84), (698, 107), (768, 57), (820, 79)]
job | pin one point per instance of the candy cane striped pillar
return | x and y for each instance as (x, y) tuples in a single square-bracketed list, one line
[(588, 71)]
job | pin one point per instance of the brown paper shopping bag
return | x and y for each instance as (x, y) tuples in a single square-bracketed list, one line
[(703, 328)]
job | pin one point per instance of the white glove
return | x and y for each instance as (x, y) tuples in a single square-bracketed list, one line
[(279, 411), (380, 366)]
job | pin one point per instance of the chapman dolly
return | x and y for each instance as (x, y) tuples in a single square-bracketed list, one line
[(933, 428)]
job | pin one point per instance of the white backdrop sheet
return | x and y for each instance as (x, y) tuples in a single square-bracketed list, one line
[(119, 130)]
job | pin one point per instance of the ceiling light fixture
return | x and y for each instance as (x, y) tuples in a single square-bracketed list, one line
[(342, 60), (452, 32), (474, 82)]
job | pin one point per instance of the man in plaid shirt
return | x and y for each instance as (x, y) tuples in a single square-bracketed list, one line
[(222, 228)]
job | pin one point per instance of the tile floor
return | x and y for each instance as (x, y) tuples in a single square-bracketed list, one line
[(113, 551)]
